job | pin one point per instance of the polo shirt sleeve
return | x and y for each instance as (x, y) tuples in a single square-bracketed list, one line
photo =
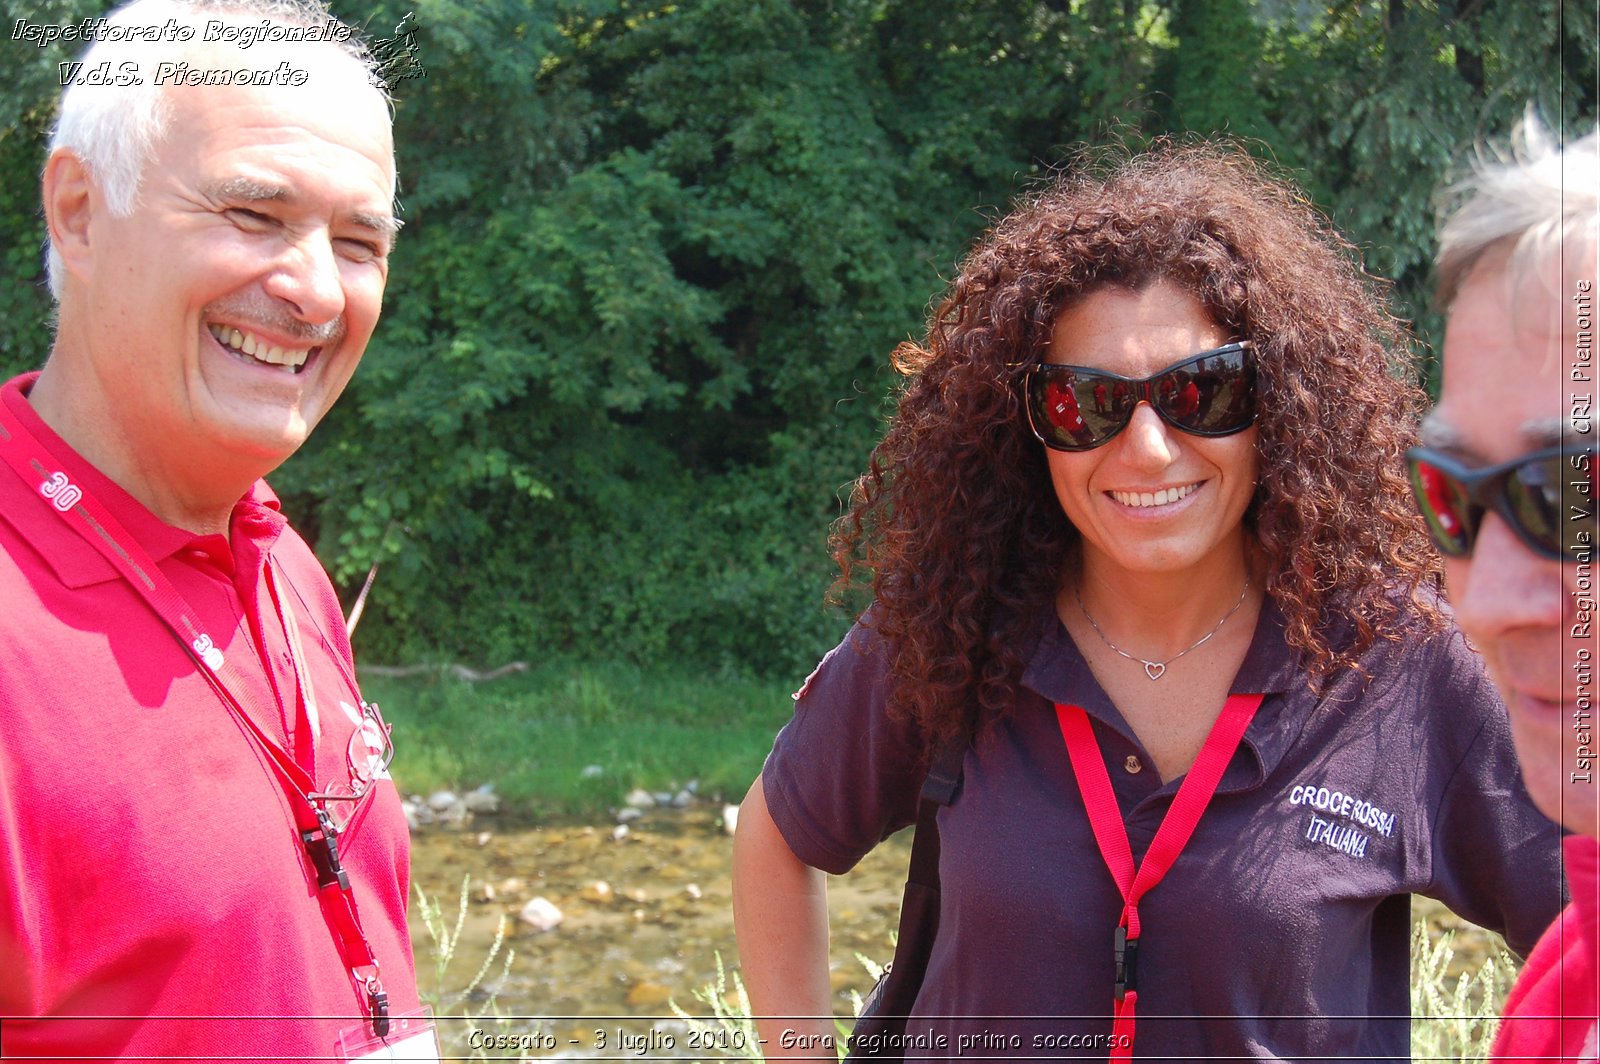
[(842, 776), (1496, 860)]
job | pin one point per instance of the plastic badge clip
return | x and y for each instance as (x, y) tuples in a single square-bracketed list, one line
[(322, 843), (378, 1005), (1126, 954)]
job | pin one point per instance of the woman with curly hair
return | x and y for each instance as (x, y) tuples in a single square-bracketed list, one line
[(1142, 554)]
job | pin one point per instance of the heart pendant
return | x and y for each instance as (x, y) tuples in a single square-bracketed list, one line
[(1155, 669)]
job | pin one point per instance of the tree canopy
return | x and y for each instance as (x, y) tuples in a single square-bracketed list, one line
[(656, 254)]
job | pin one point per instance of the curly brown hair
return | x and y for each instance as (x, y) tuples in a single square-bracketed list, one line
[(956, 518)]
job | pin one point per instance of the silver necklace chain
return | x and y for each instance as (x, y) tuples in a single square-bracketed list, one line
[(1156, 669)]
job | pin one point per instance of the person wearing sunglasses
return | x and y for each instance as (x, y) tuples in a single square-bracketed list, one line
[(1506, 482), (1141, 550)]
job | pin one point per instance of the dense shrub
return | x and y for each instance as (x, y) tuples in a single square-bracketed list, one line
[(656, 254)]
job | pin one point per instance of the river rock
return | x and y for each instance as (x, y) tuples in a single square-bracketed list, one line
[(598, 892), (487, 893), (439, 801), (683, 799), (648, 994), (484, 838), (663, 797), (417, 812), (482, 800), (730, 818), (619, 833), (629, 813), (693, 892), (640, 797), (541, 914)]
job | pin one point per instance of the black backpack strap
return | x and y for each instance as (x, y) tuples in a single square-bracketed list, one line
[(883, 1014), (944, 775), (940, 788)]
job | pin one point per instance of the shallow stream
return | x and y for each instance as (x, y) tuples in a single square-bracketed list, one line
[(644, 919)]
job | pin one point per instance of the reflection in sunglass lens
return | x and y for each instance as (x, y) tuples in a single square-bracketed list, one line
[(1206, 395), (1074, 408), (1534, 492), (1444, 506), (1546, 497)]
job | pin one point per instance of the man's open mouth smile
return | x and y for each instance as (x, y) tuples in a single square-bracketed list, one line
[(258, 350)]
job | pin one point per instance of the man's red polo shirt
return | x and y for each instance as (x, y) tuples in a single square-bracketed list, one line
[(154, 895), (1553, 1012)]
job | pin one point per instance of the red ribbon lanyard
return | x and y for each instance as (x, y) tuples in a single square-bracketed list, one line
[(1112, 836), (94, 524)]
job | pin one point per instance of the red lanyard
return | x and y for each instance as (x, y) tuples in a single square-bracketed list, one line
[(95, 525), (1176, 827)]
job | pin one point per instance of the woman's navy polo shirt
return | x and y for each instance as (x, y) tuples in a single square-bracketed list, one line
[(1281, 931)]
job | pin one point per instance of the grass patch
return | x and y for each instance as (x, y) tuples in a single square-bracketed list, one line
[(533, 734), (1455, 1009)]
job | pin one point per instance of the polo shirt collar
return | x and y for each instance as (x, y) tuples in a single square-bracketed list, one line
[(77, 567), (1058, 672)]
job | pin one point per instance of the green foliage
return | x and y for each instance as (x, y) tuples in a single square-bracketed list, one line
[(727, 1027), (445, 937), (1454, 1019), (655, 255), (1215, 70), (730, 1029), (27, 111), (533, 735), (1417, 86), (471, 1004)]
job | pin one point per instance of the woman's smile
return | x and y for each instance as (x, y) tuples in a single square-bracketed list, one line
[(1153, 498), (1146, 499)]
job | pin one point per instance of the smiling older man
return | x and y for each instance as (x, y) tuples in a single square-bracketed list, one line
[(1507, 483), (200, 850)]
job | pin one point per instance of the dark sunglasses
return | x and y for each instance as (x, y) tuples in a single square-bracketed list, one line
[(1074, 408), (1546, 497)]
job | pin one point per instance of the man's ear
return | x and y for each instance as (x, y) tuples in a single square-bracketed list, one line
[(68, 209)]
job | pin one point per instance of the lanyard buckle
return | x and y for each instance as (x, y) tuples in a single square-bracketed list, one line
[(322, 844), (378, 1006), (1126, 953)]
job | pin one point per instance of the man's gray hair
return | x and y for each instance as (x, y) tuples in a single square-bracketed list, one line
[(1529, 200), (114, 130)]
